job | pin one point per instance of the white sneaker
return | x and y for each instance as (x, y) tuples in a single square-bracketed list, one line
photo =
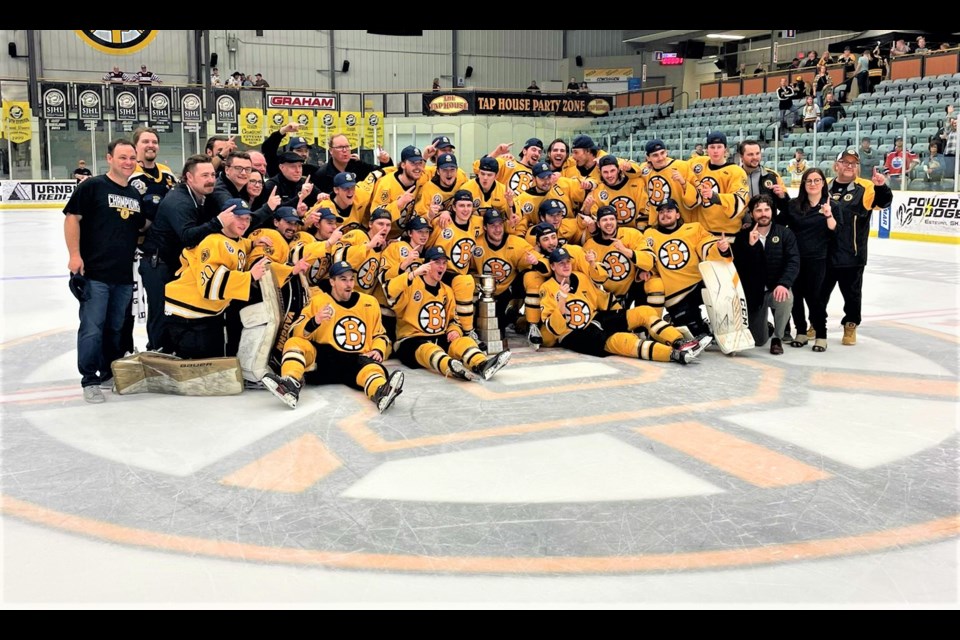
[(93, 395)]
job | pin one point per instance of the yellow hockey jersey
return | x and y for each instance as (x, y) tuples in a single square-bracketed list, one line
[(458, 242), (621, 269), (210, 276), (435, 193), (422, 310), (677, 255), (658, 186), (580, 306), (731, 192), (356, 325), (625, 198), (385, 194), (366, 261), (571, 232), (597, 272), (503, 262), (567, 190), (513, 174), (495, 199)]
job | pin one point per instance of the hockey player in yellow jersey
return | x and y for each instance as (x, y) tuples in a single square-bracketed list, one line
[(487, 192), (319, 252), (677, 248), (721, 189), (438, 146), (570, 230), (558, 155), (619, 191), (580, 316), (211, 275), (504, 257), (547, 184), (664, 178), (428, 334), (515, 173), (402, 256), (458, 239), (437, 194), (365, 252), (341, 332), (397, 191), (586, 155), (621, 250), (350, 202), (546, 240)]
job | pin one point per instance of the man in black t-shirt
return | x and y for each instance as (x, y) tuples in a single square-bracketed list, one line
[(101, 225), (81, 173)]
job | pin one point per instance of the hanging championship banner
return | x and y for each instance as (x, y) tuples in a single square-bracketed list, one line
[(16, 121), (160, 108), (251, 127), (89, 105), (54, 104), (191, 109), (327, 127), (305, 119), (127, 109), (277, 118), (373, 129), (351, 125), (227, 104)]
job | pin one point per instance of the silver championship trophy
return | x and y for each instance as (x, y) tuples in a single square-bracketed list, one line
[(488, 327)]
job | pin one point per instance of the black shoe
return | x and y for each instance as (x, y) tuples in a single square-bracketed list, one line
[(491, 365), (387, 393), (284, 387), (776, 347), (769, 329)]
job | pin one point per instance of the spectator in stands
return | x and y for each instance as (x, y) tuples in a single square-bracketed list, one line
[(810, 114), (922, 48), (215, 77), (788, 111), (898, 162), (584, 89), (145, 77), (81, 173), (533, 88), (869, 158), (950, 148), (831, 113), (246, 80), (899, 48), (258, 81), (863, 71), (941, 136), (796, 167), (573, 86), (810, 60), (822, 82), (761, 69), (825, 58), (933, 166), (436, 84), (944, 46), (115, 76), (234, 79), (795, 63), (877, 69), (800, 88)]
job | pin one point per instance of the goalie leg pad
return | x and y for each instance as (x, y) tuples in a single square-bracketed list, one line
[(161, 373)]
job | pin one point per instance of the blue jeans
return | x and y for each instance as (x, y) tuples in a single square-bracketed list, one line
[(101, 321), (826, 124)]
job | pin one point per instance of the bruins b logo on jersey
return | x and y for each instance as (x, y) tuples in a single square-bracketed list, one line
[(432, 318), (461, 253), (350, 333), (626, 209), (521, 181), (658, 189), (674, 254), (578, 314), (367, 274), (617, 265), (499, 268)]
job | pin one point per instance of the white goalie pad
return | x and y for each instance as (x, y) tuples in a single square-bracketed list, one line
[(150, 372), (260, 323), (726, 306)]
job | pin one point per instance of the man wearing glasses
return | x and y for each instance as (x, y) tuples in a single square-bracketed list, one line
[(857, 198), (233, 184), (343, 160)]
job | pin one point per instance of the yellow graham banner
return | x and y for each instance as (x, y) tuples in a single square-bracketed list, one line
[(276, 118), (373, 129), (328, 125), (351, 125), (251, 126)]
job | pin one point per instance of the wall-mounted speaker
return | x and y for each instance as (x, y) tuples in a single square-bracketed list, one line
[(579, 60), (213, 59), (469, 72), (346, 66), (12, 49), (691, 49)]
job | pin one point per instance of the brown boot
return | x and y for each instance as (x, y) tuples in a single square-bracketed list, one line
[(776, 347), (849, 333)]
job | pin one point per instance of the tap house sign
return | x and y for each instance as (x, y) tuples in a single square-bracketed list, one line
[(523, 104)]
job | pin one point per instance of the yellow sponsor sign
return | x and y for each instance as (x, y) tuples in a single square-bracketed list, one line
[(251, 126), (328, 125), (351, 124), (305, 118), (373, 129), (276, 118), (16, 121)]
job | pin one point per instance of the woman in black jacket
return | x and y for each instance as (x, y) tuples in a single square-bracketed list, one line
[(811, 219)]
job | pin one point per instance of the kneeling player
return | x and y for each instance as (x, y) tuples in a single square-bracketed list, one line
[(580, 316), (428, 333), (343, 332)]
